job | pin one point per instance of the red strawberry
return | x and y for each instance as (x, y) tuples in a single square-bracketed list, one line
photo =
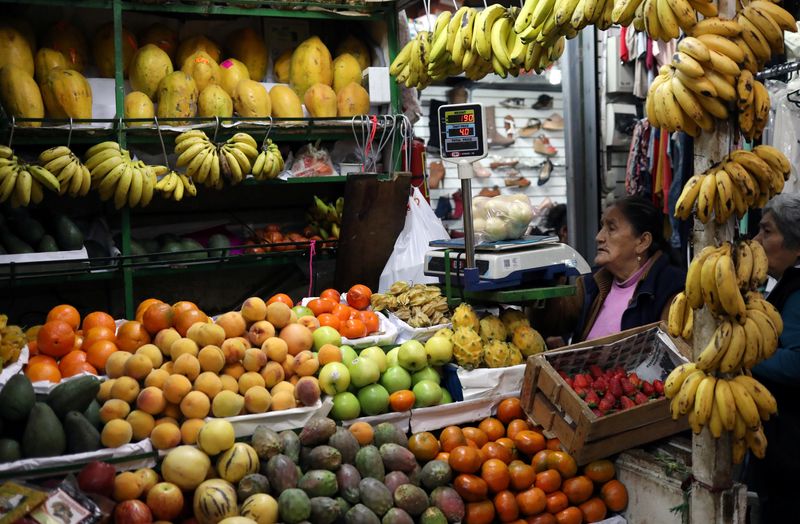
[(610, 397), (635, 380), (605, 405), (596, 371), (569, 382), (580, 381), (619, 372), (658, 386), (615, 387), (580, 391), (626, 403), (640, 398), (597, 412), (648, 389), (627, 387), (600, 385), (592, 399), (563, 374)]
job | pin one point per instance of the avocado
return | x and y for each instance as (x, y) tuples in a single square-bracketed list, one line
[(47, 244), (74, 395), (30, 230), (189, 244), (173, 251), (92, 414), (9, 450), (67, 234), (13, 244), (17, 398), (82, 436), (138, 250), (167, 237), (44, 436), (219, 243)]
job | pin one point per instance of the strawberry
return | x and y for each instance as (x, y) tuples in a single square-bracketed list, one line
[(605, 405), (580, 381), (580, 391), (635, 380), (640, 398), (597, 412), (592, 399), (626, 403), (615, 387), (619, 372), (563, 374), (596, 371), (569, 382), (610, 397), (659, 387), (648, 389), (600, 385), (627, 387)]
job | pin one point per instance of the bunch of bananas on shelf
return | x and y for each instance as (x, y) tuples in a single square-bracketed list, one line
[(174, 186), (116, 175), (209, 164), (325, 217), (22, 183), (71, 175), (661, 19), (269, 162), (12, 340), (741, 180)]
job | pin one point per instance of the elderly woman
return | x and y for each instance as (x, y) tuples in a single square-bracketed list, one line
[(633, 284), (779, 233)]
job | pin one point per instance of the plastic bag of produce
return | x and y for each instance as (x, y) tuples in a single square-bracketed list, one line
[(504, 217), (407, 261)]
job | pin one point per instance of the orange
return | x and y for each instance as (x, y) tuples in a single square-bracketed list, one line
[(353, 329), (281, 297), (66, 313), (615, 495), (363, 432), (506, 506), (98, 333), (43, 371), (42, 358), (493, 428), (320, 306), (342, 312), (557, 501), (358, 296), (332, 295), (571, 515), (531, 501), (131, 336), (185, 319), (476, 435), (370, 319), (76, 369), (578, 489), (98, 353), (56, 338), (403, 400), (515, 426), (424, 446), (509, 409), (158, 317), (600, 471), (465, 459), (142, 307), (98, 318), (529, 442), (183, 305), (70, 360), (495, 473), (326, 319), (548, 481)]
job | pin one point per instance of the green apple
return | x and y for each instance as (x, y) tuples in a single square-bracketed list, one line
[(376, 354), (348, 354), (302, 311), (334, 377), (395, 378), (412, 355), (363, 371), (426, 373), (326, 335), (345, 406), (391, 357), (427, 393), (374, 399), (439, 350), (446, 397)]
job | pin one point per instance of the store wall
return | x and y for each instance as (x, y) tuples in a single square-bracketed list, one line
[(522, 148)]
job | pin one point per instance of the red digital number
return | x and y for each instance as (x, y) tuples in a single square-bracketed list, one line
[(464, 131), (468, 118)]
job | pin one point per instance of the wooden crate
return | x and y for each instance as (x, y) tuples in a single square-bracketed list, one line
[(551, 403)]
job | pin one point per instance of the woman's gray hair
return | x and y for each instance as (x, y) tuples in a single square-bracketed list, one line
[(785, 210)]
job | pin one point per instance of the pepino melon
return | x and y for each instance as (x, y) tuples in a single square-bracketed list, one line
[(214, 500), (285, 103), (320, 101), (69, 40), (251, 99), (237, 462), (47, 59), (261, 507), (15, 50), (138, 105), (352, 100), (161, 36), (280, 69), (231, 72), (357, 48), (67, 94), (103, 50), (148, 67), (202, 68), (214, 101), (20, 95), (194, 44), (311, 64), (177, 96), (345, 70), (247, 46)]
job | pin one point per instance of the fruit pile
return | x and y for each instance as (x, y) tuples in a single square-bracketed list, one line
[(418, 305), (724, 279), (495, 341), (12, 340), (325, 218), (20, 232), (741, 180), (612, 390)]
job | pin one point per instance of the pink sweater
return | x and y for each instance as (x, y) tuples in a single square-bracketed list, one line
[(609, 319)]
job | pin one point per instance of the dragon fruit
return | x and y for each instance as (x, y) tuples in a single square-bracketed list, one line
[(467, 347), (499, 354), (528, 340), (512, 318), (492, 328), (464, 316)]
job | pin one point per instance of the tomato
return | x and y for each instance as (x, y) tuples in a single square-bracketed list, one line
[(515, 426), (505, 504), (471, 487), (479, 512), (358, 296), (531, 501), (542, 518), (615, 495), (465, 459), (495, 473)]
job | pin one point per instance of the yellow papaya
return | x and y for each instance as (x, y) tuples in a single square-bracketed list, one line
[(15, 50), (65, 37), (148, 67), (311, 64), (47, 59), (103, 50), (20, 95), (162, 36), (280, 69), (248, 46), (202, 68), (67, 94), (177, 96), (251, 99), (214, 101), (194, 44), (138, 105), (345, 70), (352, 100), (231, 72), (285, 103), (356, 47), (320, 101)]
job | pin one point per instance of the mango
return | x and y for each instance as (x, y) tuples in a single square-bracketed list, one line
[(103, 50), (348, 478), (20, 95), (320, 101), (248, 46), (194, 44), (346, 69), (214, 101), (202, 68), (280, 68), (311, 64), (67, 94), (177, 96), (352, 100), (231, 72), (285, 103), (15, 50), (147, 68), (162, 36), (317, 431), (282, 473), (70, 41), (357, 48), (397, 458), (251, 99)]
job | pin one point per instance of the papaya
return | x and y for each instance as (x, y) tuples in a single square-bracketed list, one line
[(17, 398), (20, 95), (320, 101), (73, 395), (214, 101), (15, 50), (69, 40), (356, 47), (352, 100), (24, 27), (43, 436), (285, 103), (148, 67), (247, 46), (251, 99), (280, 69), (103, 50), (161, 36), (139, 105), (67, 94), (231, 72), (346, 69), (311, 64), (194, 44), (202, 68), (47, 59), (177, 96)]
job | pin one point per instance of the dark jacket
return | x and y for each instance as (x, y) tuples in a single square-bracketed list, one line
[(576, 315)]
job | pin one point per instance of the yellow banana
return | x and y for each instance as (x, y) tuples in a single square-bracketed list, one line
[(760, 264), (715, 421), (764, 400), (723, 64), (670, 26), (704, 399), (695, 48), (722, 44), (724, 193), (744, 265), (745, 405), (738, 450), (702, 86), (769, 334), (775, 158), (694, 294), (754, 39), (674, 381), (732, 359), (677, 312), (706, 197), (136, 188), (726, 405), (688, 196), (711, 355), (768, 27), (686, 394), (716, 26), (757, 442), (688, 324), (753, 341), (781, 16), (725, 89), (685, 13), (768, 309), (713, 107)]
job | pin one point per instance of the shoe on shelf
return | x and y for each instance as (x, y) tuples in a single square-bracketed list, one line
[(531, 127), (513, 103), (554, 122), (495, 139), (510, 126), (480, 171), (541, 145), (504, 163), (459, 206), (436, 172), (543, 102), (516, 181), (443, 208), (489, 191), (544, 172), (457, 95)]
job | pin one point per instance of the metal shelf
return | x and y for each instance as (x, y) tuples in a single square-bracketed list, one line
[(511, 296)]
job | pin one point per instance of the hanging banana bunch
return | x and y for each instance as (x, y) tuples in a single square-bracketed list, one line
[(22, 183), (72, 176), (210, 164), (116, 175)]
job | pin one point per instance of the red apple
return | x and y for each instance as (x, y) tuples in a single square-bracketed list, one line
[(165, 500), (132, 512), (97, 477)]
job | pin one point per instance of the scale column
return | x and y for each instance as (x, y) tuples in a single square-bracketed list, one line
[(465, 172)]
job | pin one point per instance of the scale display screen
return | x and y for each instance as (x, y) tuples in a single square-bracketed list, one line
[(462, 130)]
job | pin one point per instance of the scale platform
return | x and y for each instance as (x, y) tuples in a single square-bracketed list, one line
[(529, 262)]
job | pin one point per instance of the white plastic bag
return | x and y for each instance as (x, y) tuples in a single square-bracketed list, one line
[(407, 261)]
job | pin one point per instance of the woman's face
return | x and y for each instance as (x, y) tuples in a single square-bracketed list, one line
[(618, 245), (780, 258)]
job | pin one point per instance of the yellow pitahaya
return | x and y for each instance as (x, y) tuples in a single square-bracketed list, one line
[(528, 340), (464, 316), (512, 318), (497, 354), (467, 347), (492, 328)]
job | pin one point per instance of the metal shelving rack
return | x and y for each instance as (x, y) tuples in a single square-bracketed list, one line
[(295, 130)]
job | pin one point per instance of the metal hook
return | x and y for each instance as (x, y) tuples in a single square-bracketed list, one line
[(269, 129), (427, 4), (69, 136), (216, 129), (361, 140), (11, 134), (455, 5), (161, 139)]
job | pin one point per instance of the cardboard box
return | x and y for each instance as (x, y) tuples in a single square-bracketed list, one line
[(549, 401)]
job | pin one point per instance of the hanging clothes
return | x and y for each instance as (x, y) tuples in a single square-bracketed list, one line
[(637, 170), (786, 132)]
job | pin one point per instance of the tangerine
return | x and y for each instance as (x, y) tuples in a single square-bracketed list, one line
[(548, 480), (465, 459), (578, 489), (70, 360), (557, 501), (281, 297), (471, 487), (98, 353), (493, 428), (510, 409), (56, 338), (531, 501), (158, 317), (358, 296), (370, 319), (479, 512), (98, 318), (181, 306), (131, 336), (142, 307), (99, 333), (353, 329), (326, 319), (505, 503), (615, 495), (495, 473), (451, 437), (43, 371), (571, 515), (332, 295), (494, 450), (600, 471), (594, 510), (476, 435), (515, 426), (423, 445), (66, 313), (186, 319), (363, 432), (320, 305), (403, 400), (529, 442), (522, 475)]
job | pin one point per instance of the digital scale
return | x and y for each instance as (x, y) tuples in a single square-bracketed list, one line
[(530, 261)]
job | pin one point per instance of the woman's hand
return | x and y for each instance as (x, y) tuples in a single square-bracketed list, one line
[(555, 342)]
